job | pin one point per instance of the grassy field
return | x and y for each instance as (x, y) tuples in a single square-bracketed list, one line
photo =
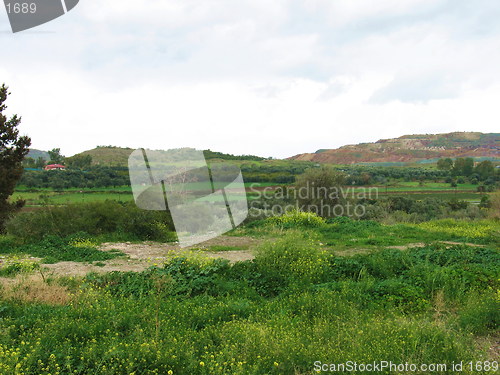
[(71, 196), (429, 186), (37, 197), (445, 195), (414, 190)]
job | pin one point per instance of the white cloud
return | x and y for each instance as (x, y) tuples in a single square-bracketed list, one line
[(345, 12), (269, 78)]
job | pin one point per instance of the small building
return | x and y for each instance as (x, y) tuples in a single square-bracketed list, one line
[(52, 167)]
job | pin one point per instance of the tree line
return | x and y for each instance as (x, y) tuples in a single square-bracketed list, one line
[(94, 177), (80, 174)]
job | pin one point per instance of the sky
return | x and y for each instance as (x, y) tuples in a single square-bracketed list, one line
[(269, 78)]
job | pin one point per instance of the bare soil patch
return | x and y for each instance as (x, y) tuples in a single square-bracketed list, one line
[(140, 256)]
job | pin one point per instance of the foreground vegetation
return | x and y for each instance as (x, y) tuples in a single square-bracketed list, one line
[(299, 301)]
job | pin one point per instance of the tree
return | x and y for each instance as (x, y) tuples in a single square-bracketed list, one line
[(485, 169), (468, 166), (55, 156), (79, 162), (463, 167), (40, 162), (29, 162), (445, 164), (13, 149), (320, 190)]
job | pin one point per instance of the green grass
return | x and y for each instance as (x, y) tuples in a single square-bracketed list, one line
[(342, 233), (433, 185), (23, 188), (70, 196), (447, 196), (41, 196), (53, 249), (53, 198), (14, 265), (37, 197)]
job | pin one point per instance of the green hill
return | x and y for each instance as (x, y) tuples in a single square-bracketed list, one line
[(108, 155), (118, 156)]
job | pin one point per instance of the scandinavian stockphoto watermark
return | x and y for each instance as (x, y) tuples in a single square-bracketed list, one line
[(321, 200), (204, 201), (24, 15)]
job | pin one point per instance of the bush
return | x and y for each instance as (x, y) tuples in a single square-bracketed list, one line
[(495, 205), (297, 219), (485, 202), (7, 244), (401, 294), (95, 218), (179, 276), (456, 204), (293, 259), (321, 188)]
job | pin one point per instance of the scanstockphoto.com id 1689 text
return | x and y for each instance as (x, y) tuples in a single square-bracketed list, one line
[(382, 366)]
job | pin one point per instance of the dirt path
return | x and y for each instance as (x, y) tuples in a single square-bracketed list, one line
[(140, 256)]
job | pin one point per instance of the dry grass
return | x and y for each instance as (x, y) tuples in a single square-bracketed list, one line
[(439, 305), (33, 289), (491, 344)]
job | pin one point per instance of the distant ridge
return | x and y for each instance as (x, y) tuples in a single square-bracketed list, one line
[(118, 156), (411, 148), (35, 154)]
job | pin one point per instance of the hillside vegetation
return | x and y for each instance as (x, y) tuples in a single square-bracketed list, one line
[(405, 149), (108, 155), (35, 154), (412, 148), (118, 156)]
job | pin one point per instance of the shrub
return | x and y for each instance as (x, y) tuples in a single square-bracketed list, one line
[(495, 205), (485, 202), (456, 204), (297, 219), (320, 190), (178, 276), (293, 259), (401, 294), (196, 276), (7, 244), (95, 218)]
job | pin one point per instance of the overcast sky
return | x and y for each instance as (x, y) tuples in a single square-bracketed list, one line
[(265, 77)]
